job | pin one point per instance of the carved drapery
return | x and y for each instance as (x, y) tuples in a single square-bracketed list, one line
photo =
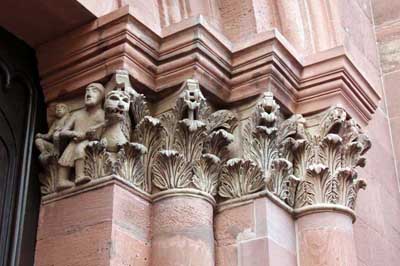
[(302, 161)]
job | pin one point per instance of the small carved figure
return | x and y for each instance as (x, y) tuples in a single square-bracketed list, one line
[(80, 129), (193, 100), (48, 144), (116, 127)]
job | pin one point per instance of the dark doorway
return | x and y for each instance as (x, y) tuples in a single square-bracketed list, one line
[(21, 112)]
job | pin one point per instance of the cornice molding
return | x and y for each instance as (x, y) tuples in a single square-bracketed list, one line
[(229, 71)]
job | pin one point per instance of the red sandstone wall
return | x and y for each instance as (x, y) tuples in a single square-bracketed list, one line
[(377, 230), (311, 26)]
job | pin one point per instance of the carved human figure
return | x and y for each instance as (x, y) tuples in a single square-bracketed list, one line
[(79, 129), (116, 128), (192, 99), (48, 144)]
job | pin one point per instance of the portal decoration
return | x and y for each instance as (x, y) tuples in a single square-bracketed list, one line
[(301, 161)]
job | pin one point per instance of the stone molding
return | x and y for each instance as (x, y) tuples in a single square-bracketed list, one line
[(304, 164), (193, 49), (96, 184)]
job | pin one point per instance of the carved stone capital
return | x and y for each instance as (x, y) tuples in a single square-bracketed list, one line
[(327, 158), (305, 162), (195, 143)]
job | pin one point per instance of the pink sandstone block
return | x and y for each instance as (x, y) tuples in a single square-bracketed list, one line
[(257, 233), (229, 223), (226, 255), (254, 252), (108, 225), (391, 83)]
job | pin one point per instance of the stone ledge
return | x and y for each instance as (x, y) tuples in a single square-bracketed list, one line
[(220, 207), (93, 185), (183, 192), (193, 49), (296, 213), (324, 208)]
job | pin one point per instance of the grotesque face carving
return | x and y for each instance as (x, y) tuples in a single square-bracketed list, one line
[(61, 110), (116, 105), (94, 94)]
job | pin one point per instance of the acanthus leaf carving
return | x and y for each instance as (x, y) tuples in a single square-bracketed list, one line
[(267, 142), (333, 153), (196, 141), (97, 160), (171, 170), (48, 178), (150, 133), (220, 127), (240, 177), (129, 164), (206, 173), (260, 133), (190, 138), (303, 161), (139, 108), (351, 196), (281, 181)]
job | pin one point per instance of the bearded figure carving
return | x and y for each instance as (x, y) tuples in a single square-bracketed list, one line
[(80, 129)]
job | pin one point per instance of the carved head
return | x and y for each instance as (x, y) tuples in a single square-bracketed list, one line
[(61, 110), (333, 121), (94, 94), (116, 105)]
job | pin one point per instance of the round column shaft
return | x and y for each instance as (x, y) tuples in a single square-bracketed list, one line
[(326, 238), (182, 229)]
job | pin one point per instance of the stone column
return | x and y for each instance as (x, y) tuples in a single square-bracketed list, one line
[(326, 238), (327, 158), (308, 167), (185, 178), (182, 229)]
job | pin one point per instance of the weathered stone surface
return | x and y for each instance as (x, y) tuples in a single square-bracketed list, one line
[(103, 226), (182, 232), (257, 233), (324, 54), (326, 239)]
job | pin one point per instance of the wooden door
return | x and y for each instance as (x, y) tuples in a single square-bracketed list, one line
[(21, 110)]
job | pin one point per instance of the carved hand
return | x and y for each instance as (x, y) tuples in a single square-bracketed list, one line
[(78, 136), (67, 134), (91, 134)]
